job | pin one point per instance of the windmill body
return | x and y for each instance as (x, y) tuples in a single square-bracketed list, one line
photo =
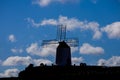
[(63, 51), (63, 54)]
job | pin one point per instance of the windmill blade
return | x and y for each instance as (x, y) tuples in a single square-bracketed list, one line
[(61, 32), (73, 42), (48, 42)]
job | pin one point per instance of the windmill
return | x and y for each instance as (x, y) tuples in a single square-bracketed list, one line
[(63, 51)]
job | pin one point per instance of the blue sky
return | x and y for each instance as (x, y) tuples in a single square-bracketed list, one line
[(25, 23)]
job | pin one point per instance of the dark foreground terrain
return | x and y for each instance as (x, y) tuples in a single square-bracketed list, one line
[(81, 72)]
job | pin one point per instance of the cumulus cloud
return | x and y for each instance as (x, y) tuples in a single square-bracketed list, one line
[(10, 73), (14, 50), (112, 30), (71, 23), (17, 60), (77, 60), (11, 38), (89, 49), (44, 3), (35, 49), (113, 61), (44, 51)]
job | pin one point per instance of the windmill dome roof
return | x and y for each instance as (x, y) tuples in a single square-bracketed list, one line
[(63, 44)]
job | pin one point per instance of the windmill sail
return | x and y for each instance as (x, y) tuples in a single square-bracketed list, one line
[(61, 36)]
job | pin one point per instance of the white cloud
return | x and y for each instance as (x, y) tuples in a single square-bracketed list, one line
[(14, 50), (89, 49), (112, 30), (12, 38), (49, 22), (32, 22), (101, 62), (10, 73), (44, 61), (97, 34), (35, 49), (71, 23), (44, 3), (113, 61), (44, 51), (94, 26), (17, 60), (76, 60)]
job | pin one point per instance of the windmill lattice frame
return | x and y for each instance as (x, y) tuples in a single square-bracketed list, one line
[(61, 36)]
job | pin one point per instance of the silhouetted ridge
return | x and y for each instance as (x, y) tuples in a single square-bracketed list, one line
[(82, 72)]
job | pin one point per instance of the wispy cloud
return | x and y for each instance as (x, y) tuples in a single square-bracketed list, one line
[(94, 1), (12, 38), (89, 49), (113, 61), (44, 3), (15, 50), (10, 73), (71, 23), (112, 30)]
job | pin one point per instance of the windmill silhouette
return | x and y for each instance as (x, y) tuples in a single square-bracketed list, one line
[(63, 51)]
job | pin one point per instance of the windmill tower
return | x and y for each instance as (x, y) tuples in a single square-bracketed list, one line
[(63, 51)]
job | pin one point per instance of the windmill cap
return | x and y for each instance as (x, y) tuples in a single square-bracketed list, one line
[(63, 44)]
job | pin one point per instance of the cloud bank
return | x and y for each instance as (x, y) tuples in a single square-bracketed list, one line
[(113, 61), (17, 60), (10, 73), (35, 49), (71, 23), (112, 30)]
